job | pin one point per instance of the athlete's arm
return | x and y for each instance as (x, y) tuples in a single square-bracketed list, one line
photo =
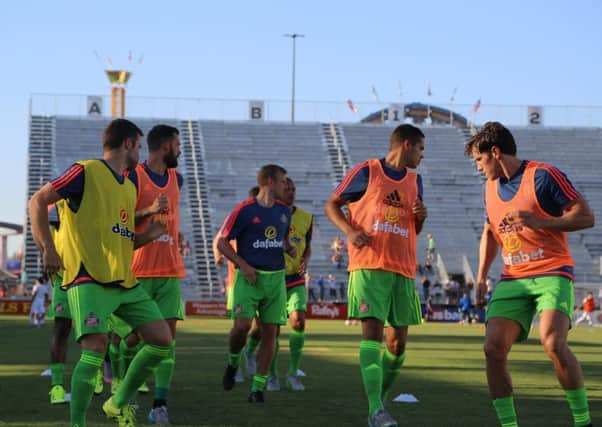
[(487, 253), (577, 215), (217, 255), (38, 214), (158, 205), (420, 214), (225, 248), (332, 209), (152, 232)]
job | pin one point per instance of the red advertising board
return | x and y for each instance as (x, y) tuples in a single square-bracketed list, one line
[(206, 308), (326, 311), (14, 306)]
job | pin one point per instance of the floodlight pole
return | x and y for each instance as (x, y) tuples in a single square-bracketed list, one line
[(293, 36)]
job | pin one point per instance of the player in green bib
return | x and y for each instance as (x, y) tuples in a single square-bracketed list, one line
[(95, 255)]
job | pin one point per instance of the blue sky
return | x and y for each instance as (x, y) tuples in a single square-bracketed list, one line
[(505, 52)]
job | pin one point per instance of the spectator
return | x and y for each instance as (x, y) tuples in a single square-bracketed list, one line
[(466, 308), (426, 284), (337, 247), (588, 306), (451, 292), (312, 288), (428, 309), (332, 288), (321, 288), (431, 247)]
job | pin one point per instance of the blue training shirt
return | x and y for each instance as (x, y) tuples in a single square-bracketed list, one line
[(355, 184), (260, 233), (158, 180)]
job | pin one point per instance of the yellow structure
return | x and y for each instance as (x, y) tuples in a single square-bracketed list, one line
[(119, 80)]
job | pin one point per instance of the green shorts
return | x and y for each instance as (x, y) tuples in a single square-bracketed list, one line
[(119, 327), (266, 297), (383, 295), (296, 299), (520, 299), (60, 302), (229, 300), (91, 305), (165, 291)]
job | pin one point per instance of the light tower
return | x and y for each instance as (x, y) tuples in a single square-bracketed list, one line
[(119, 80)]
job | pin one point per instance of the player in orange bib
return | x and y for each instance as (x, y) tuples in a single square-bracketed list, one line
[(588, 306), (529, 208), (386, 212), (158, 266)]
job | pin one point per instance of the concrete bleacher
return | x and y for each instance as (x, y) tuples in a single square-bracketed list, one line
[(234, 151)]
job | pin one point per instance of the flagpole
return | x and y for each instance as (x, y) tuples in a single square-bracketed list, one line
[(293, 36)]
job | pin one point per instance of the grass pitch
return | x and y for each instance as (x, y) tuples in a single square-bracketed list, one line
[(444, 369)]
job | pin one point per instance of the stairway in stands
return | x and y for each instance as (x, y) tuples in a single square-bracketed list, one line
[(197, 188), (333, 138)]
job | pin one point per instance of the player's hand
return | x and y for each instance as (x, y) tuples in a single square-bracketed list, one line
[(524, 218), (155, 229), (419, 210), (359, 238), (249, 272), (219, 259), (302, 267), (481, 293), (160, 204), (52, 261)]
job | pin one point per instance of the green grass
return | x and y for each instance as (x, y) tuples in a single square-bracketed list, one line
[(444, 369)]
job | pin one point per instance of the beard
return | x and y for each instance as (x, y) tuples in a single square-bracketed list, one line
[(170, 160), (131, 164)]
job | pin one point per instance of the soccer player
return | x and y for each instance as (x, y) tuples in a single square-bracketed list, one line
[(300, 234), (529, 208), (39, 296), (158, 266), (386, 212), (588, 306), (260, 227), (98, 243), (62, 318), (255, 334)]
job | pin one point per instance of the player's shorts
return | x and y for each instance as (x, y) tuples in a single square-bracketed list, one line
[(266, 297), (229, 300), (165, 291), (60, 302), (91, 305), (520, 299), (383, 295), (119, 327), (296, 299)]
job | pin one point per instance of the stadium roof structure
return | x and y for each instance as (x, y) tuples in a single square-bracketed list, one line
[(419, 112)]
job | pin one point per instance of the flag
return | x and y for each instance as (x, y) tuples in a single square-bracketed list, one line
[(477, 105), (429, 92), (399, 89), (375, 94), (351, 106), (130, 56), (141, 59), (109, 61)]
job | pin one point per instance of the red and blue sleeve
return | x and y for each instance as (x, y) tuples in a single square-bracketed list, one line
[(354, 185), (70, 185)]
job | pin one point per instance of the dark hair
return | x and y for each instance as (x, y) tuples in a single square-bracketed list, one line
[(492, 134), (403, 132), (160, 134), (253, 191), (269, 171), (117, 132)]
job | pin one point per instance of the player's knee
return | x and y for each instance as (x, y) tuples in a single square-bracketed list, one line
[(553, 346), (495, 350), (95, 342)]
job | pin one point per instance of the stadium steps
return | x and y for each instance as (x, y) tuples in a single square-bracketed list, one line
[(198, 193), (332, 136), (42, 131)]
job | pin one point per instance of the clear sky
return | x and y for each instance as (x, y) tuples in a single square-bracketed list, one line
[(504, 52)]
